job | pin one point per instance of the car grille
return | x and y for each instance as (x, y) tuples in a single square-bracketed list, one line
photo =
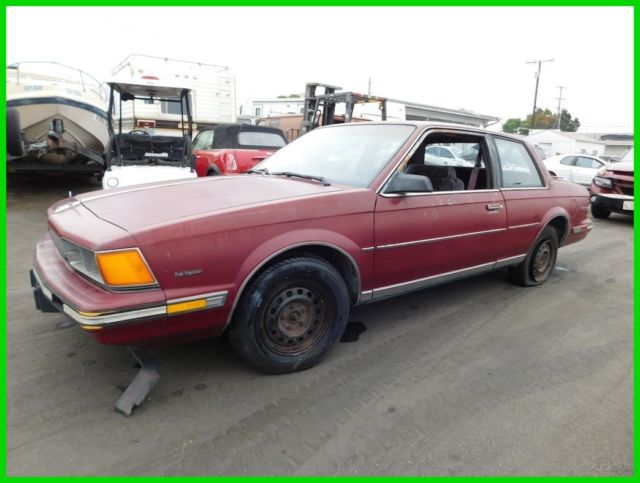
[(624, 187), (626, 191), (80, 258)]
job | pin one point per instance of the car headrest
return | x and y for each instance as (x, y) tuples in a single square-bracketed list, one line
[(440, 172), (432, 171)]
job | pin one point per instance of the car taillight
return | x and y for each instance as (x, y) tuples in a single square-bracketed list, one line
[(146, 123), (230, 162)]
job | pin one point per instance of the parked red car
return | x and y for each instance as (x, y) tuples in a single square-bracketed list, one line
[(612, 188), (344, 215), (234, 148)]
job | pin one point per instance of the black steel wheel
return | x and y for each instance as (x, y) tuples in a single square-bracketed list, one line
[(537, 266), (291, 315)]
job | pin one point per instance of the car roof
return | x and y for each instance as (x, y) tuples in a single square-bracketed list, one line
[(429, 124)]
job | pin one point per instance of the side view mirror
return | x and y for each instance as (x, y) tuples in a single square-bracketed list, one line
[(403, 183)]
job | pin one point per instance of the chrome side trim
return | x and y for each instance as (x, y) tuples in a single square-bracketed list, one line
[(404, 287), (437, 239), (504, 262), (282, 250), (104, 319), (526, 225), (365, 296), (214, 299), (581, 228), (459, 192), (525, 188), (368, 249), (47, 293)]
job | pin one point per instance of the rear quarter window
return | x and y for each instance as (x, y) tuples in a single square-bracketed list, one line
[(260, 139), (517, 167)]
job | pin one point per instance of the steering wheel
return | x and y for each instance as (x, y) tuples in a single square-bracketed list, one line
[(139, 132)]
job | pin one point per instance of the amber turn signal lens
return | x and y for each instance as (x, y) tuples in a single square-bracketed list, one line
[(124, 268), (186, 306)]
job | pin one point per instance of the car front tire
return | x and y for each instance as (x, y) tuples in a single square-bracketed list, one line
[(539, 263), (291, 315), (598, 212)]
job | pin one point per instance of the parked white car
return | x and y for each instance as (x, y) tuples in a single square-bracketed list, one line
[(445, 155), (578, 168)]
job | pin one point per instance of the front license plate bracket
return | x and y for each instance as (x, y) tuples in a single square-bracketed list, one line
[(139, 387)]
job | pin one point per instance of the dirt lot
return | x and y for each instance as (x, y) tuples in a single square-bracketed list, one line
[(472, 378)]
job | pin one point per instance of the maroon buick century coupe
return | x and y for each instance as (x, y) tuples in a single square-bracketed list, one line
[(345, 215)]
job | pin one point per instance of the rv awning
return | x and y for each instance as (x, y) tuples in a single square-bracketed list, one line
[(143, 88)]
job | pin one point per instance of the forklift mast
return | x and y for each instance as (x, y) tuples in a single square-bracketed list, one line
[(319, 109)]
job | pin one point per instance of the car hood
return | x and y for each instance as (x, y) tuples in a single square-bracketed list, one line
[(622, 167), (147, 205)]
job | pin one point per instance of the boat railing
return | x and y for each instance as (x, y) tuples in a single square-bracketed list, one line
[(35, 73)]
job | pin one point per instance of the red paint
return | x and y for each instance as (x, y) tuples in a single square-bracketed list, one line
[(226, 228)]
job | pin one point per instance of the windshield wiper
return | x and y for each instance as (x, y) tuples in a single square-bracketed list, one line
[(262, 171), (290, 174)]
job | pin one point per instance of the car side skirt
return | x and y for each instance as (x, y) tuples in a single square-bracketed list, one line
[(433, 280)]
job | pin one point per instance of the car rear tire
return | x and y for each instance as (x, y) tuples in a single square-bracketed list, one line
[(537, 266), (291, 315), (598, 212), (14, 136)]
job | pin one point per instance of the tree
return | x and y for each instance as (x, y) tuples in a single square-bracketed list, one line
[(511, 125), (567, 123), (544, 119)]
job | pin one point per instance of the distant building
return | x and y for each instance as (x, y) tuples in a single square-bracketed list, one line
[(554, 141), (615, 144), (396, 110), (275, 107)]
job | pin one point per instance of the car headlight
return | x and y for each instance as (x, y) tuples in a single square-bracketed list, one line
[(603, 182), (117, 269)]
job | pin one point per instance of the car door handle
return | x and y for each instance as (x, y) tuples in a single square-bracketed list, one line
[(494, 206)]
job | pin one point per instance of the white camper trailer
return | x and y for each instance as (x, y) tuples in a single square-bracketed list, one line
[(213, 94)]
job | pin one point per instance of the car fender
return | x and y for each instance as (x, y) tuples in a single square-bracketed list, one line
[(555, 212), (272, 248)]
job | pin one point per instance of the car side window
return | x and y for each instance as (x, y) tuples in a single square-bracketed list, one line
[(568, 161), (204, 140), (587, 163), (451, 162), (517, 167)]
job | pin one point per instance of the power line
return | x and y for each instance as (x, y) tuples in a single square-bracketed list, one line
[(535, 96)]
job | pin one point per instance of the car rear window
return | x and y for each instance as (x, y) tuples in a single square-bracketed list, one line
[(260, 139)]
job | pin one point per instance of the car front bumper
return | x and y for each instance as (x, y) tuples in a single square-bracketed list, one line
[(119, 318), (613, 202)]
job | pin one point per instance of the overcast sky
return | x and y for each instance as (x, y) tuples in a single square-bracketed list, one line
[(458, 57)]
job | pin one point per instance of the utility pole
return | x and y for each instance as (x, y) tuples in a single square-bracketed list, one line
[(369, 88), (560, 99), (535, 97)]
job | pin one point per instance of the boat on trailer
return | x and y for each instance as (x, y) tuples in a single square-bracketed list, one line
[(56, 119)]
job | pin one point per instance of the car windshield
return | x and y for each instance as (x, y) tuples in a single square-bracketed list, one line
[(353, 154), (628, 156)]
